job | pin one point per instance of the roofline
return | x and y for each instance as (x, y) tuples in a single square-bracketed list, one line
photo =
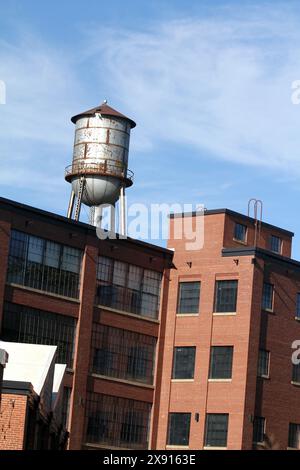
[(17, 387), (229, 212), (82, 226), (261, 253)]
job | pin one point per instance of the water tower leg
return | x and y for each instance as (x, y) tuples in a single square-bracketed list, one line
[(71, 205), (122, 212)]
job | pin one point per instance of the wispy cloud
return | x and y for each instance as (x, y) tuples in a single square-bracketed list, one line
[(219, 85)]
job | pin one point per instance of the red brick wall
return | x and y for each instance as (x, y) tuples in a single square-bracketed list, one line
[(12, 421)]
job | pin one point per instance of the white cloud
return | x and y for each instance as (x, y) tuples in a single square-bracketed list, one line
[(219, 85)]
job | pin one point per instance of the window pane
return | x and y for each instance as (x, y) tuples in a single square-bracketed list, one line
[(296, 373), (120, 272), (294, 436), (189, 295), (122, 354), (179, 429), (226, 296), (298, 306), (116, 422), (184, 362), (71, 259), (221, 362), (52, 254), (267, 298), (35, 250), (258, 429), (240, 231), (263, 363), (135, 277), (216, 430), (151, 282), (276, 244), (29, 325), (105, 269)]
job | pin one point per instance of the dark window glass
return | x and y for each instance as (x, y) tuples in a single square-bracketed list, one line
[(66, 406), (117, 422), (221, 362), (179, 429), (122, 354), (226, 296), (294, 436), (240, 232), (127, 287), (267, 298), (216, 429), (44, 265), (296, 373), (28, 325), (275, 243), (188, 298), (258, 429), (263, 363), (184, 362), (298, 306)]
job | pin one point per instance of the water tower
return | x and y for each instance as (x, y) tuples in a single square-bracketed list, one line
[(99, 172)]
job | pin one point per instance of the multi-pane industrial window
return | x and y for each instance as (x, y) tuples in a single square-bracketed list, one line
[(117, 422), (188, 297), (298, 306), (44, 265), (122, 354), (179, 429), (259, 424), (226, 296), (221, 362), (294, 436), (275, 244), (263, 363), (267, 297), (127, 287), (296, 373), (27, 325), (240, 232), (216, 429), (184, 362)]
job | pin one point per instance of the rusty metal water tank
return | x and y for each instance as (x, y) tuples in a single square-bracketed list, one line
[(100, 156)]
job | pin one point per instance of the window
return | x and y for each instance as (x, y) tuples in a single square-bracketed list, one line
[(296, 373), (259, 429), (122, 354), (263, 363), (298, 306), (226, 296), (221, 362), (127, 287), (216, 429), (188, 298), (240, 232), (294, 436), (66, 406), (267, 297), (179, 429), (28, 325), (117, 422), (184, 362), (44, 265), (275, 244)]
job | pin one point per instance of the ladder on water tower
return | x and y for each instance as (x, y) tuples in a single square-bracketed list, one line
[(79, 198)]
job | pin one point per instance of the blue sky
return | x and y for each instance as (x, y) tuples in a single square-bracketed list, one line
[(208, 83)]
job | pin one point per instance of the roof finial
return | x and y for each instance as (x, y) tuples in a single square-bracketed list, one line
[(105, 101)]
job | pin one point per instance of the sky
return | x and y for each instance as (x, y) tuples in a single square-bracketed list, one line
[(209, 84)]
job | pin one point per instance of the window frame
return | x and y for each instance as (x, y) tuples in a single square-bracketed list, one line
[(272, 238), (235, 238), (213, 366), (259, 374), (175, 359), (268, 309), (256, 420), (179, 309), (217, 301), (207, 431), (170, 434), (291, 445)]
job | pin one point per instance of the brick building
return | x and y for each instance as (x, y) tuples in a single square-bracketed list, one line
[(226, 376), (99, 302)]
